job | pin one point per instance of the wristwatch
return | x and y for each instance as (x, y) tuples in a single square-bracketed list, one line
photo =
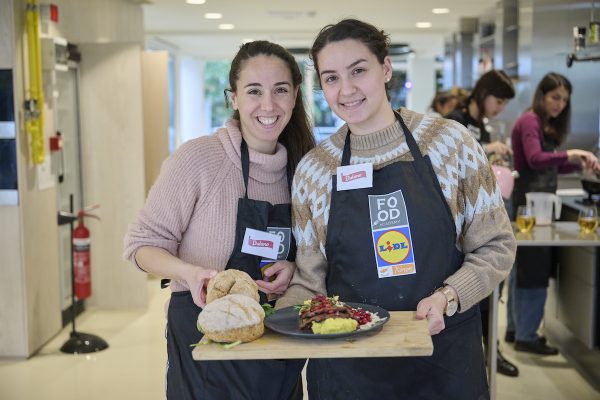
[(451, 303)]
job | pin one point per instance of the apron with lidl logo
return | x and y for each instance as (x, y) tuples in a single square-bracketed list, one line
[(392, 244)]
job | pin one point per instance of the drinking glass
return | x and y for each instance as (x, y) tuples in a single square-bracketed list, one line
[(525, 219), (588, 219)]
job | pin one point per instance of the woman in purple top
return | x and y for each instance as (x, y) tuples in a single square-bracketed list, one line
[(535, 138)]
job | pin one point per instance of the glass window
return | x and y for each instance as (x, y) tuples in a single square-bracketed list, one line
[(216, 80)]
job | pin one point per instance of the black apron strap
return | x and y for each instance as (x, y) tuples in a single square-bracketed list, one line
[(410, 141), (245, 165)]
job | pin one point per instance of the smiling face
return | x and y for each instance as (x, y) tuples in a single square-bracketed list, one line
[(493, 106), (353, 83), (555, 101), (265, 98)]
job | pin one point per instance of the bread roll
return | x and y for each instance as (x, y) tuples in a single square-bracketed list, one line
[(231, 281), (232, 318)]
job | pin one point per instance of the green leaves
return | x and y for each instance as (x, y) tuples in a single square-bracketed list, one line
[(268, 309)]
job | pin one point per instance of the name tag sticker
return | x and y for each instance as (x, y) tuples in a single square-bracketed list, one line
[(259, 243), (356, 176)]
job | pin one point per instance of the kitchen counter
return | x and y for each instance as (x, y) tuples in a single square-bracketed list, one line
[(559, 234), (571, 317)]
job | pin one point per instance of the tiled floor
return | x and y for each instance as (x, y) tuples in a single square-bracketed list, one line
[(133, 366)]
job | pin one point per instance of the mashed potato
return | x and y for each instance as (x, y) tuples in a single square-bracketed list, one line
[(334, 325)]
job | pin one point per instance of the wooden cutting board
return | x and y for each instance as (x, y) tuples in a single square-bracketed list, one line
[(401, 336)]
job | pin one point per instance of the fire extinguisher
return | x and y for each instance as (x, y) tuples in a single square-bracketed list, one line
[(81, 255)]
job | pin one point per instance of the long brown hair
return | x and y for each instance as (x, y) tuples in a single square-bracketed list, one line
[(493, 83), (296, 136), (555, 128)]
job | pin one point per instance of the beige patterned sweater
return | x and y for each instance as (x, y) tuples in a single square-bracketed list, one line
[(483, 229)]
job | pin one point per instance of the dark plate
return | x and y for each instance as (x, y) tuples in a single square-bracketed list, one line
[(285, 321)]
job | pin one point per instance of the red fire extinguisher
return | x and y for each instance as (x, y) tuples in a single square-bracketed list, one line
[(81, 256)]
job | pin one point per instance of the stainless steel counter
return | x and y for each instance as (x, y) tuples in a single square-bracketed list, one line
[(571, 319)]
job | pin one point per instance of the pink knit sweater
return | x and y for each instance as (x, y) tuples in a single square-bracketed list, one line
[(191, 208)]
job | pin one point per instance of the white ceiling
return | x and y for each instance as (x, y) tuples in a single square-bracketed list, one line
[(294, 23)]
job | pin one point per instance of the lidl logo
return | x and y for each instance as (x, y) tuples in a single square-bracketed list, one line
[(393, 247)]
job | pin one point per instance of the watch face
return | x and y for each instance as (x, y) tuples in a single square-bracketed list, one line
[(451, 308)]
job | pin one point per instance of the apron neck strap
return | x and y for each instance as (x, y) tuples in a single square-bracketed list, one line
[(290, 176), (410, 141), (245, 156), (245, 165)]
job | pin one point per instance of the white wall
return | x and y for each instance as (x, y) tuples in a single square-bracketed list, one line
[(155, 89), (421, 73), (112, 136), (113, 165)]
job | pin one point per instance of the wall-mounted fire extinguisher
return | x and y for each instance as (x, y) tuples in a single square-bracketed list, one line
[(82, 272)]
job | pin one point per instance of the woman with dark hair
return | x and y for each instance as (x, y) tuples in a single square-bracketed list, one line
[(442, 104), (209, 192), (489, 97), (422, 183), (535, 138)]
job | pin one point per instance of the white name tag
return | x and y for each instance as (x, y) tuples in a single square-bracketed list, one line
[(259, 243), (356, 176)]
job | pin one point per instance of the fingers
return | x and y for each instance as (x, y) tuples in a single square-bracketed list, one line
[(277, 285), (435, 324), (201, 299), (282, 272), (274, 269), (271, 287), (423, 308), (279, 266), (210, 273), (427, 308)]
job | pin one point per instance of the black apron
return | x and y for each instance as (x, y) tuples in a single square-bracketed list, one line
[(535, 264), (262, 216), (422, 233), (248, 379)]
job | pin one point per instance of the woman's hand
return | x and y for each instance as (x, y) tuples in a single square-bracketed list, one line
[(587, 158), (432, 308), (197, 279), (498, 148), (282, 271)]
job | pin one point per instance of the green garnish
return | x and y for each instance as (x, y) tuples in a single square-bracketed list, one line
[(268, 309), (203, 342), (229, 345)]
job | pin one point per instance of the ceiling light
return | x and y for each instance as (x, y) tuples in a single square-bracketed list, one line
[(195, 1), (213, 15), (423, 24), (440, 10), (226, 26)]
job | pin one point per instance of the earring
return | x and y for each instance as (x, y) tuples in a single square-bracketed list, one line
[(387, 80)]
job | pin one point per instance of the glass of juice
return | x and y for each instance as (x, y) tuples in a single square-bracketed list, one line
[(588, 219), (525, 219)]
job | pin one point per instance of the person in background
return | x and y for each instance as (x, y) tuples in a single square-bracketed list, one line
[(443, 103), (535, 138), (460, 94), (489, 97), (208, 193), (452, 251)]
